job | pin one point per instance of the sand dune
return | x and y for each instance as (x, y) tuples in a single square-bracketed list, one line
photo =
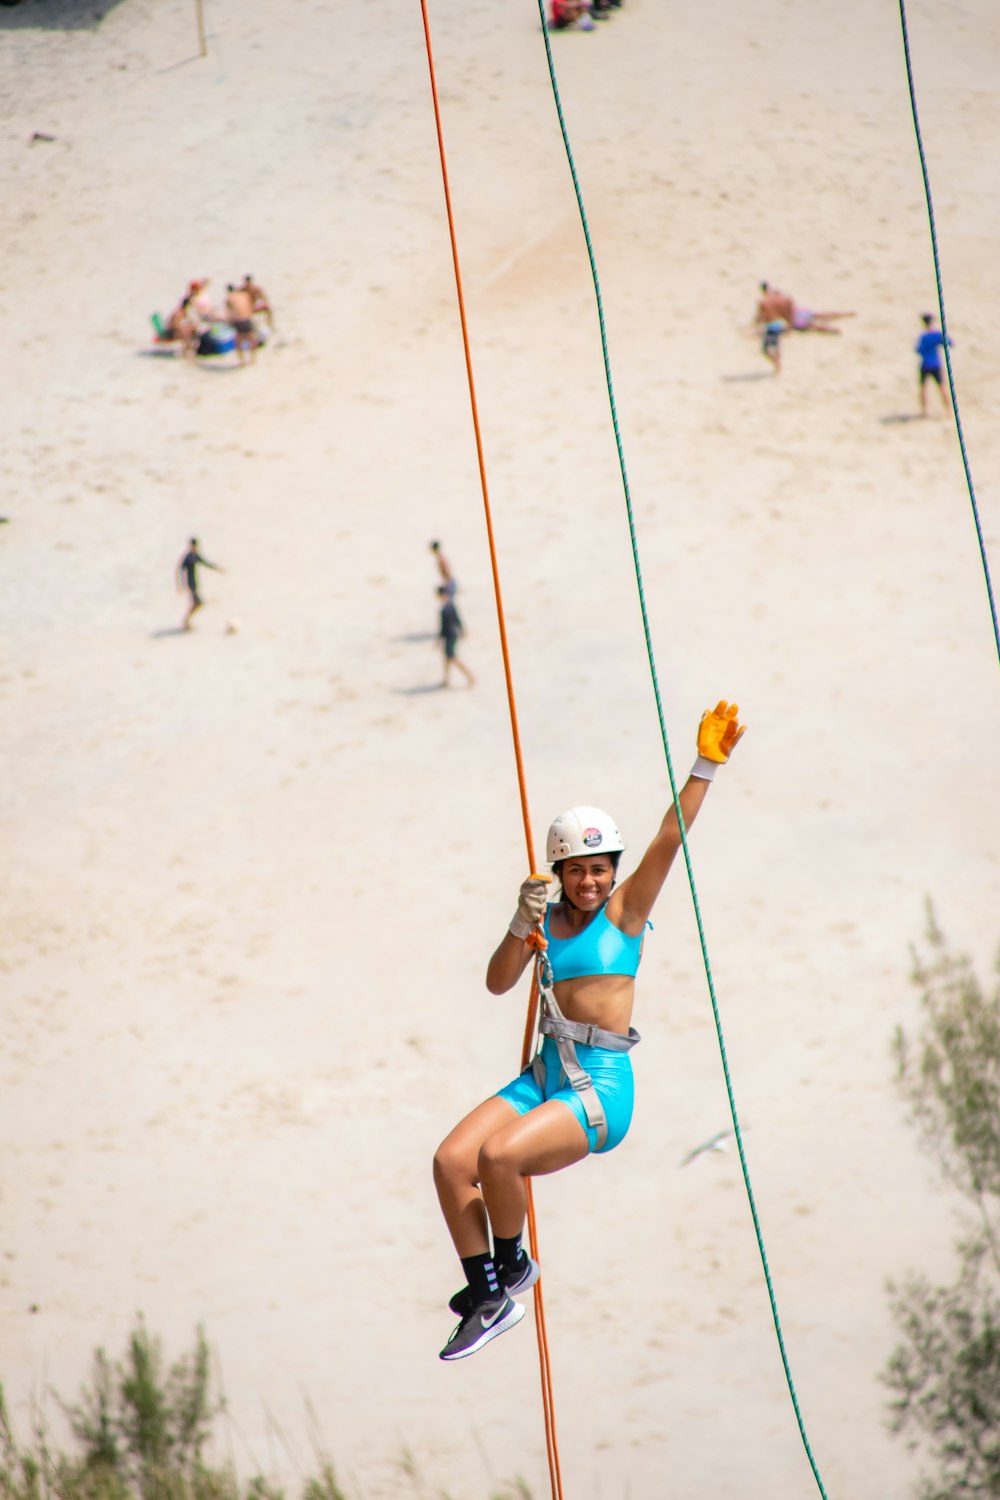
[(253, 877)]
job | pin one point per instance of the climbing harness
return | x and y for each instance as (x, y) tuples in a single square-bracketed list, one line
[(566, 1034)]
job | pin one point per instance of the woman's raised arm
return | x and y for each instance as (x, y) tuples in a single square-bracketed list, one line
[(631, 904)]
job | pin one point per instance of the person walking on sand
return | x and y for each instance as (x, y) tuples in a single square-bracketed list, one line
[(930, 346), (772, 319), (451, 629), (187, 577), (576, 1096), (239, 312), (770, 344)]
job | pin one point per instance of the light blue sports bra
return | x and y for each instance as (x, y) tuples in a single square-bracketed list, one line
[(599, 948)]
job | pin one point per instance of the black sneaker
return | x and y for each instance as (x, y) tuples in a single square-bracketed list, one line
[(524, 1276), (481, 1324), (520, 1279)]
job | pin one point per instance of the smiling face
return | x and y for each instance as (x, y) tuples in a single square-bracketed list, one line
[(587, 880)]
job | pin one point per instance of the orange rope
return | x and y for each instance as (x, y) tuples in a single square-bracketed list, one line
[(548, 1404)]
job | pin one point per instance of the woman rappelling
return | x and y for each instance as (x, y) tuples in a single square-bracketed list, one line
[(576, 1096)]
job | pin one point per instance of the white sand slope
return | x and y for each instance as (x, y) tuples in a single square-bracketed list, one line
[(252, 879)]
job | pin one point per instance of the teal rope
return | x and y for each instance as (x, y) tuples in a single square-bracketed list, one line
[(944, 323), (666, 751)]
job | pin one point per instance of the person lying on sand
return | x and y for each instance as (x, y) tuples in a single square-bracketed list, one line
[(804, 321), (576, 1097), (775, 306)]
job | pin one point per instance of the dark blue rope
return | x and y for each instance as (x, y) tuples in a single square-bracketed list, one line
[(944, 324)]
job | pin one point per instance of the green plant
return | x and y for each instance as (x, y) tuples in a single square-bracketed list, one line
[(145, 1424), (141, 1428), (514, 1489), (951, 1074), (945, 1375), (323, 1486)]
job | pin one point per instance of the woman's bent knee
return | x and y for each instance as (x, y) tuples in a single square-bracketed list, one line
[(493, 1158), (451, 1163)]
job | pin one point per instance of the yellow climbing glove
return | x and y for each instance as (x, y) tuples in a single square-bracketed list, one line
[(718, 735), (531, 902)]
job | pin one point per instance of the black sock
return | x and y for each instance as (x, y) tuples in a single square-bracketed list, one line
[(481, 1275), (507, 1253)]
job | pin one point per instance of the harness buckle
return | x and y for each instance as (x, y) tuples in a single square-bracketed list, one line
[(593, 1036)]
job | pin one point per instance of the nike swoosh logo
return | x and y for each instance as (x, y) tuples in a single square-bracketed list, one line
[(488, 1322)]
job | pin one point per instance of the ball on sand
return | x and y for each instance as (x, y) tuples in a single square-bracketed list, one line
[(232, 627)]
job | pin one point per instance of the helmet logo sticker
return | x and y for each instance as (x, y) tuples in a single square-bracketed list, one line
[(592, 837)]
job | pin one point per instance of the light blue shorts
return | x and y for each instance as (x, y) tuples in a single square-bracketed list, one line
[(612, 1075)]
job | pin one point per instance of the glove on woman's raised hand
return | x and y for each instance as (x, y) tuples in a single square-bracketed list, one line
[(718, 735)]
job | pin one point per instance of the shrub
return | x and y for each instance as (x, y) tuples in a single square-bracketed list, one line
[(945, 1375)]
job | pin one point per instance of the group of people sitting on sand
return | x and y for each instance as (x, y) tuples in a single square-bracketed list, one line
[(196, 323), (580, 14)]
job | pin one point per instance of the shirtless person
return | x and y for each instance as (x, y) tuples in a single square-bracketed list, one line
[(773, 307), (239, 311), (258, 300), (773, 317), (448, 583)]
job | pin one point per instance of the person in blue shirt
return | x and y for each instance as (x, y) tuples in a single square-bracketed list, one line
[(576, 1096), (930, 346)]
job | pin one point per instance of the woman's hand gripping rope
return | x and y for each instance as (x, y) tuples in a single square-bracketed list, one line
[(528, 923), (531, 902), (718, 735)]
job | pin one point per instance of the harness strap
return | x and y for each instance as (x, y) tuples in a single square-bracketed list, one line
[(589, 1036), (566, 1034), (583, 1086)]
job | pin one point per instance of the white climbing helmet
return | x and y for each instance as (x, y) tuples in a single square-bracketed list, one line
[(582, 830)]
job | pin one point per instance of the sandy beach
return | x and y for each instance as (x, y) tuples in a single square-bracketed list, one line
[(254, 871)]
